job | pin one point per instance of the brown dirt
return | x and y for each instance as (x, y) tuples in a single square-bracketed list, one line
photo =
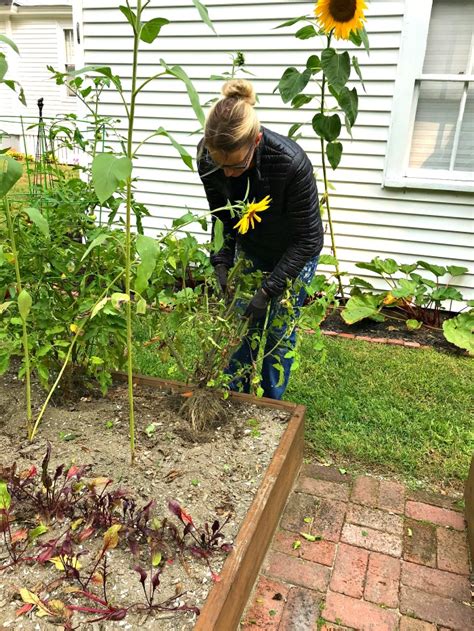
[(210, 474), (392, 329)]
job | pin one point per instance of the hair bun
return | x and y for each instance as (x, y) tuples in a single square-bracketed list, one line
[(239, 89)]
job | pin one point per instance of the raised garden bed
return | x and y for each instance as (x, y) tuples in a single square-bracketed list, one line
[(245, 466)]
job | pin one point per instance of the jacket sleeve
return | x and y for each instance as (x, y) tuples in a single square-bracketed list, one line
[(305, 224), (217, 199)]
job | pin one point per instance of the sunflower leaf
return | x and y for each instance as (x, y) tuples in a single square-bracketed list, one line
[(336, 67), (292, 83)]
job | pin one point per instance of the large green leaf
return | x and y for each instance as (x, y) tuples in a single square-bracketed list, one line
[(361, 306), (5, 498), (460, 330), (334, 153), (300, 100), (39, 220), (3, 66), (313, 63), (306, 32), (327, 127), (96, 242), (437, 270), (151, 29), (24, 304), (380, 266), (11, 43), (336, 67), (148, 250), (108, 173), (405, 288), (349, 102), (204, 13), (10, 172), (130, 15), (218, 236), (185, 156), (178, 72), (456, 270), (292, 83), (446, 293)]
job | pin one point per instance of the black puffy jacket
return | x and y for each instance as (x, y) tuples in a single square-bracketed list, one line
[(291, 230)]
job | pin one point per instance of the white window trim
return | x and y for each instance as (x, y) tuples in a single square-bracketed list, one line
[(412, 54)]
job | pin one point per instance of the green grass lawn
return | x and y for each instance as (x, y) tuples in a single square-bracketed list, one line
[(380, 408)]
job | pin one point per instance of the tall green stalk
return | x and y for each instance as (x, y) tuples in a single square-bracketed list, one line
[(26, 354)]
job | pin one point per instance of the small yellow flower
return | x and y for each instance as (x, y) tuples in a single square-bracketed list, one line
[(74, 328), (250, 216), (344, 16)]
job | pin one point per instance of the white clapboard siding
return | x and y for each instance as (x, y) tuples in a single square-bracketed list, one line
[(40, 39), (369, 220)]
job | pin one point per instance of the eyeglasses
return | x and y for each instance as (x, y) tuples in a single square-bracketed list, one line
[(237, 167)]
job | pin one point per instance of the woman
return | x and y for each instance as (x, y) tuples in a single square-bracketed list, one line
[(238, 154)]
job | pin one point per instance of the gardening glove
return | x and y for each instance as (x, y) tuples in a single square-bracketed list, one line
[(221, 275), (257, 307)]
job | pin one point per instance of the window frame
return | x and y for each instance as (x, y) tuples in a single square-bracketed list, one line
[(397, 174), (69, 92)]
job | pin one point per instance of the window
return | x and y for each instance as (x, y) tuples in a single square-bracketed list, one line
[(69, 54), (431, 143)]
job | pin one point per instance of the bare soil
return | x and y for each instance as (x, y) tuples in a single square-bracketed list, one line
[(211, 474)]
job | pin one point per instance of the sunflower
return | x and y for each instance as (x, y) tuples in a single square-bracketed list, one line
[(250, 216), (344, 16)]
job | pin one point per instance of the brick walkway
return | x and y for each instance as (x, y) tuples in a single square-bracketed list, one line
[(389, 559)]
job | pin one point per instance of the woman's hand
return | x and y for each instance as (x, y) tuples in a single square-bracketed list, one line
[(257, 307)]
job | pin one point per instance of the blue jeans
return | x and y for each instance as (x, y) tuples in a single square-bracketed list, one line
[(280, 341)]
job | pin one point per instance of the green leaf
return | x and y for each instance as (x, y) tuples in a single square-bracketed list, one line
[(327, 259), (327, 127), (178, 72), (185, 156), (360, 282), (293, 129), (446, 293), (24, 304), (361, 306), (5, 498), (218, 237), (108, 173), (336, 67), (309, 537), (334, 153), (117, 298), (349, 102), (456, 270), (97, 241), (380, 266), (204, 13), (355, 64), (306, 32), (292, 83), (413, 325), (156, 558), (460, 330), (11, 43), (3, 66), (141, 306), (151, 29), (292, 21), (147, 249), (405, 288), (39, 220), (300, 100), (99, 306), (130, 15), (4, 362), (437, 270), (10, 172), (4, 306), (407, 269), (37, 532), (313, 63)]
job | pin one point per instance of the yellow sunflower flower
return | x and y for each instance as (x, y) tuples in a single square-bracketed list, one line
[(250, 216), (344, 16)]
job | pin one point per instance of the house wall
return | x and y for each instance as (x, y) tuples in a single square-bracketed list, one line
[(369, 220), (40, 39)]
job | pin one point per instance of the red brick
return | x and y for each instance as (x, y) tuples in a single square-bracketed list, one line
[(359, 614), (397, 342), (364, 338), (436, 609), (328, 515), (323, 488), (301, 610), (365, 491), (436, 499), (322, 552), (258, 615), (329, 333), (413, 344), (452, 551), (349, 571), (435, 581), (374, 518), (383, 577), (297, 571), (380, 340), (391, 496), (349, 336), (322, 472), (370, 539), (412, 624), (434, 514), (419, 543)]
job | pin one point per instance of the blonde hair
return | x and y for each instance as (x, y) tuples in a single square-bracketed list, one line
[(232, 122)]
